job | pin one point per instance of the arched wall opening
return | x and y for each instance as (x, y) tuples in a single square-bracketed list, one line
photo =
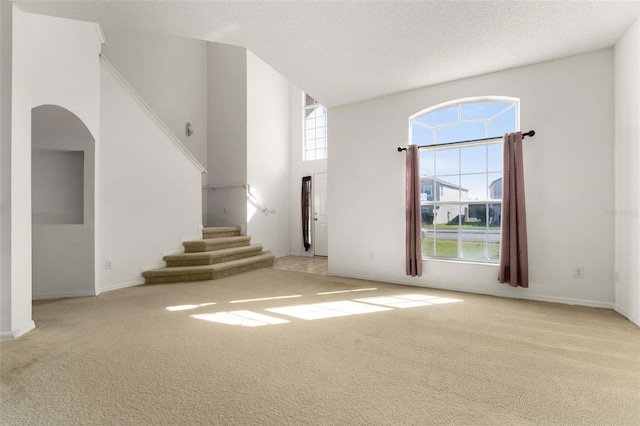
[(63, 206)]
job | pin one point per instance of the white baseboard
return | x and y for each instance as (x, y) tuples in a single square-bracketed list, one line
[(498, 293), (63, 294), (7, 336), (619, 309), (171, 253), (190, 238), (122, 285), (150, 267)]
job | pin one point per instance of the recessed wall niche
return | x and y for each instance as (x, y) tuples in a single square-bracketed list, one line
[(57, 187)]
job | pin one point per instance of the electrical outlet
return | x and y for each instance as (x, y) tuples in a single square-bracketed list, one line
[(370, 256), (108, 264), (616, 277), (578, 272)]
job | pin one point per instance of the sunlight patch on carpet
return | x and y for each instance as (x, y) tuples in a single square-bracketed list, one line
[(188, 307), (407, 300), (345, 291), (243, 318), (182, 307), (314, 311), (327, 310), (266, 298)]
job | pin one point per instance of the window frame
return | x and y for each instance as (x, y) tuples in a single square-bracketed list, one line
[(431, 207)]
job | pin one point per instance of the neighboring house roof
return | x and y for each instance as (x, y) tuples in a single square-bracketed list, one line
[(443, 183)]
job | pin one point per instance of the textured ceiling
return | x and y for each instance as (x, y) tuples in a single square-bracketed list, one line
[(346, 51)]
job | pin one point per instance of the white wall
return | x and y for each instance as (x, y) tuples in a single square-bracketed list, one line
[(6, 15), (150, 192), (248, 143), (568, 172), (627, 176), (63, 205), (299, 169), (268, 155), (227, 135), (55, 62), (170, 74)]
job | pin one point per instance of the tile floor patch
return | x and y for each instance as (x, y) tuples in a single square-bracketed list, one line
[(310, 265)]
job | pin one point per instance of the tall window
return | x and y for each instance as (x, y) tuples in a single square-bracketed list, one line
[(461, 198), (315, 127)]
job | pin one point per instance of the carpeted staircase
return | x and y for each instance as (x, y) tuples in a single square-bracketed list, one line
[(221, 252)]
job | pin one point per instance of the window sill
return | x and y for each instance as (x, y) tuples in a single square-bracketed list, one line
[(460, 261)]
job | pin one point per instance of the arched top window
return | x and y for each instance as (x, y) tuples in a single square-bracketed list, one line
[(465, 119), (461, 175)]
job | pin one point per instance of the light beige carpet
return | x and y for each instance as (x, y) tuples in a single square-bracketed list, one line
[(123, 358)]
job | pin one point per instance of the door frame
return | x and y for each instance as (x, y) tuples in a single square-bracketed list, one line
[(313, 200)]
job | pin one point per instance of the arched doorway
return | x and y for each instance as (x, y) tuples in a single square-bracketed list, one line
[(62, 200)]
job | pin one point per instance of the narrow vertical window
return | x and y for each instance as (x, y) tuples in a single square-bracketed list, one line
[(315, 130)]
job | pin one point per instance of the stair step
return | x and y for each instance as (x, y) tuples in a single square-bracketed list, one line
[(211, 257), (220, 231), (208, 272), (211, 244)]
